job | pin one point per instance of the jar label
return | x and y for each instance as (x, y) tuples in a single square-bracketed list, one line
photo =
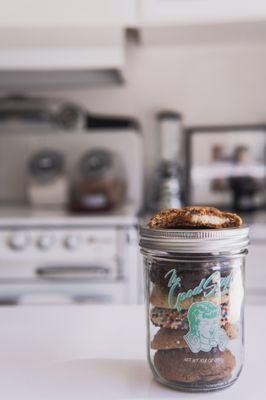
[(204, 327), (208, 287), (204, 316)]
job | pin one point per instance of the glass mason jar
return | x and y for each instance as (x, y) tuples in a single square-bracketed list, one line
[(194, 285)]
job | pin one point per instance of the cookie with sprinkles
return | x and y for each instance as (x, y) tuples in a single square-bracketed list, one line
[(173, 319)]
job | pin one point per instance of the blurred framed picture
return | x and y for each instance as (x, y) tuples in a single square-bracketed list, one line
[(226, 166)]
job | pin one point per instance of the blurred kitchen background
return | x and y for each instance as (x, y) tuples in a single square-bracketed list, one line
[(111, 110)]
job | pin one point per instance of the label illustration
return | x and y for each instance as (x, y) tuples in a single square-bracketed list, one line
[(204, 328)]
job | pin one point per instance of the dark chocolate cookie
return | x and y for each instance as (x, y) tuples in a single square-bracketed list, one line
[(184, 366)]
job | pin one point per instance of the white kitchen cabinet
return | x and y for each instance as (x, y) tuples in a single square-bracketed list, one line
[(63, 37), (75, 13), (61, 48)]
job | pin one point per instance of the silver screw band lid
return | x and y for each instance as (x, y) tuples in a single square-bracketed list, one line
[(195, 240)]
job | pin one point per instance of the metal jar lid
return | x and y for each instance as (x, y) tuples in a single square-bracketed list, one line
[(195, 240)]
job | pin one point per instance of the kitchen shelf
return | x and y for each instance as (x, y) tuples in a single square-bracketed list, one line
[(170, 22), (193, 12), (207, 33)]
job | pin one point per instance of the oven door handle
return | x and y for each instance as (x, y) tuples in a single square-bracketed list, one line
[(90, 272)]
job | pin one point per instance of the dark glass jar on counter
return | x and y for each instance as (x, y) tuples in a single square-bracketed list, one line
[(194, 283), (100, 184)]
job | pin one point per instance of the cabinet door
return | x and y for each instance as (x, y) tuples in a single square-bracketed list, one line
[(160, 12), (51, 13)]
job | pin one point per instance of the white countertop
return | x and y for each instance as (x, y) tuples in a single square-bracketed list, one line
[(98, 352), (17, 215)]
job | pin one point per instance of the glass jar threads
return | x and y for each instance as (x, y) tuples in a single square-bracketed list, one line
[(194, 284)]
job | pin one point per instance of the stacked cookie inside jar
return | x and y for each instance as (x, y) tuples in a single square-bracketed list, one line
[(194, 295)]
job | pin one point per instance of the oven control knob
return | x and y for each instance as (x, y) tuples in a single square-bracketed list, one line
[(72, 242), (19, 241), (45, 242)]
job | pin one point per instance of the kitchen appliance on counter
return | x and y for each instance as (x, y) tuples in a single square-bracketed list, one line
[(100, 183), (47, 183), (167, 186), (48, 252)]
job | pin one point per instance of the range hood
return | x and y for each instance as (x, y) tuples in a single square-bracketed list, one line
[(60, 56)]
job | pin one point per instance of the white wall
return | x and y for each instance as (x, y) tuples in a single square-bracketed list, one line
[(210, 84)]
